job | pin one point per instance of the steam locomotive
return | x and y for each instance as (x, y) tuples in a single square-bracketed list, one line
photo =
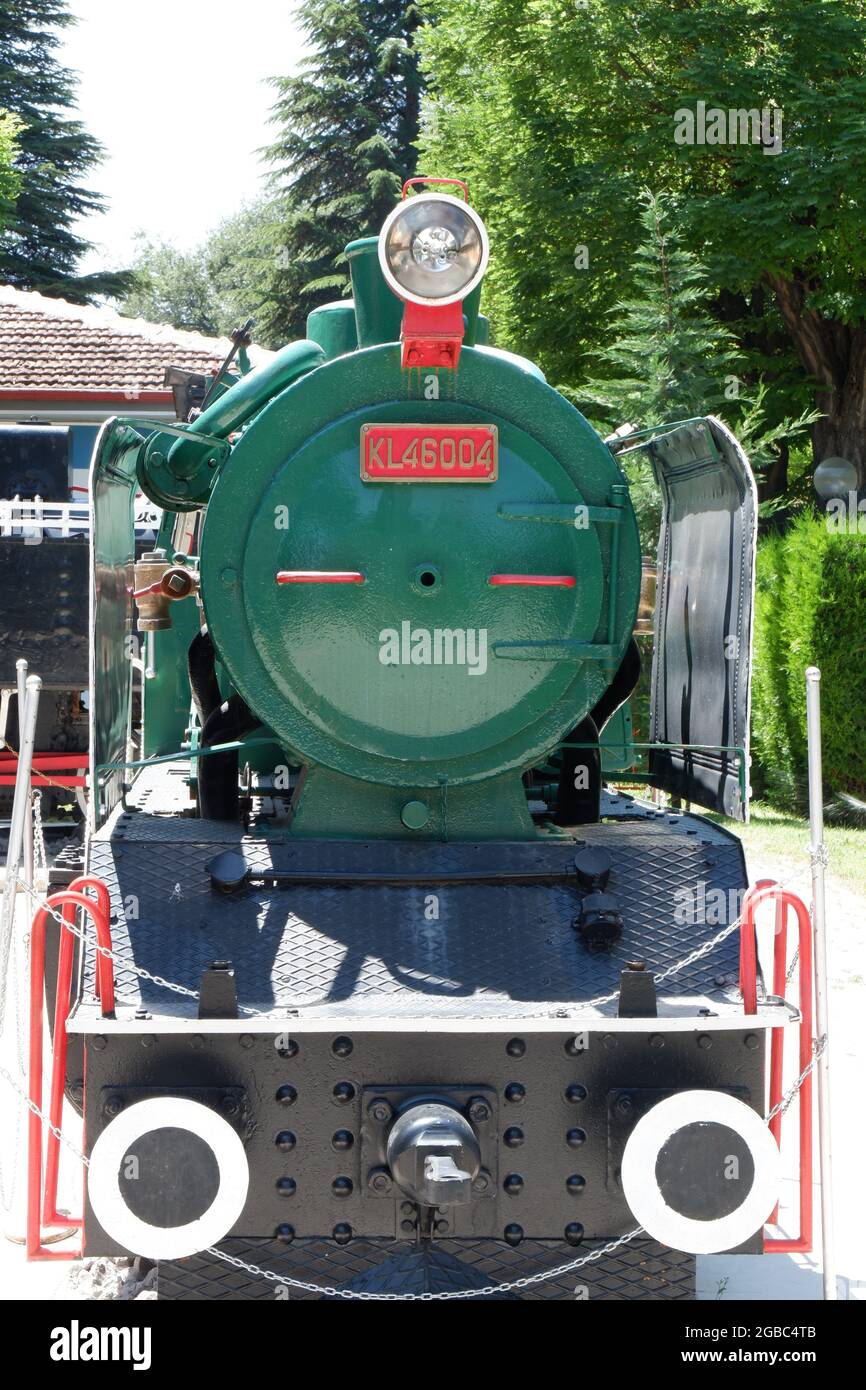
[(395, 995)]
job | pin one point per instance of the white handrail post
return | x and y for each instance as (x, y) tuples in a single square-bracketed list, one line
[(20, 806), (818, 854), (21, 674)]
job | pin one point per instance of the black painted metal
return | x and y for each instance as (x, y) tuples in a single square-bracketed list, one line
[(44, 610), (543, 1086), (640, 1270)]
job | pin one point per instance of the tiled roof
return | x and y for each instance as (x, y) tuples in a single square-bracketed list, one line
[(51, 345)]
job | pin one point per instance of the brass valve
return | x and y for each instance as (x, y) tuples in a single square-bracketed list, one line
[(156, 584)]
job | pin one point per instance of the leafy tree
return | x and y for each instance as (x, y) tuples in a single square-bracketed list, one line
[(348, 123), (557, 111), (211, 288), (39, 248), (669, 359), (10, 181)]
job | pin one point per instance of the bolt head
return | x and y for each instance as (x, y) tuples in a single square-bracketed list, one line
[(380, 1111), (479, 1110), (380, 1181)]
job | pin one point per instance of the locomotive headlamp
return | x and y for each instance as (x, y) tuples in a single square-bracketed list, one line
[(433, 249)]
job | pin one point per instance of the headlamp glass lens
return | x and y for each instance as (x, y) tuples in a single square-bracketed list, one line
[(433, 248)]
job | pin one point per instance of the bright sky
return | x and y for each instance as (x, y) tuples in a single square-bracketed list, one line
[(176, 91)]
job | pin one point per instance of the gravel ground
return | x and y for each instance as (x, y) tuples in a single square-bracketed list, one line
[(759, 1278)]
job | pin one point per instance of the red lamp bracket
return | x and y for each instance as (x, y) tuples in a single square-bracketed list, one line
[(431, 335)]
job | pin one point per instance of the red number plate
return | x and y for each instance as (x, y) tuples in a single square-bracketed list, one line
[(429, 453)]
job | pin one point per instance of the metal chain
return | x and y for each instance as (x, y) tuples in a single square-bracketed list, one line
[(450, 1295), (818, 1046), (38, 836)]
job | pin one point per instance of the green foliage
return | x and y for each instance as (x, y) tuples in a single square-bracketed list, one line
[(210, 289), (810, 610), (39, 248), (557, 113), (669, 359), (347, 127), (10, 179)]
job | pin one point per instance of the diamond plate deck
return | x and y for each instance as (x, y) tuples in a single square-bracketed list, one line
[(441, 952), (640, 1270)]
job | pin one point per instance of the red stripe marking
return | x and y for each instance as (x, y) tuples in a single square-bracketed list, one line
[(544, 581), (320, 577)]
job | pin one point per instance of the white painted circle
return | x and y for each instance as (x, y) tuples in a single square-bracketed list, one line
[(167, 1242), (645, 1198), (392, 281)]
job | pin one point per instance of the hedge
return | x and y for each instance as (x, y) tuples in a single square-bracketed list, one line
[(810, 610)]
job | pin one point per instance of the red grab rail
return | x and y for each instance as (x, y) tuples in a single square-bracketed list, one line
[(784, 900), (41, 1210)]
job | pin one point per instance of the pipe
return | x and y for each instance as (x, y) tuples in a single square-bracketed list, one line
[(35, 1249), (62, 1003), (20, 806), (241, 401), (818, 854), (21, 674), (203, 684), (218, 773)]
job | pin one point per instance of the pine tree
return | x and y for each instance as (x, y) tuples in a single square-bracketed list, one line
[(669, 359), (348, 125), (39, 248)]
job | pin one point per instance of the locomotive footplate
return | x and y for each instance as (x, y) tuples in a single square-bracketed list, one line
[(440, 1061)]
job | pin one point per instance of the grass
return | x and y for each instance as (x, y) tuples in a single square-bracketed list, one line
[(779, 834)]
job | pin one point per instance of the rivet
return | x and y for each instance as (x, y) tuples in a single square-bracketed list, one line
[(656, 1040), (515, 1093), (287, 1047), (407, 1226), (513, 1137), (287, 1187), (342, 1140), (407, 1208), (625, 1105), (343, 1092), (574, 1046), (286, 1095), (573, 1233), (752, 1041), (609, 1041), (285, 1141), (513, 1184), (285, 1233), (148, 1040), (575, 1093), (246, 1040), (575, 1184), (513, 1234), (515, 1047), (575, 1137), (704, 1041), (342, 1047), (229, 575), (342, 1233), (342, 1187)]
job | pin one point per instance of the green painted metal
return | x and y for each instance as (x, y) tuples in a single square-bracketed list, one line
[(179, 475), (333, 327), (314, 660), (378, 311)]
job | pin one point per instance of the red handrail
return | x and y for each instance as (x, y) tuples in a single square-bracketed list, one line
[(67, 901), (748, 986)]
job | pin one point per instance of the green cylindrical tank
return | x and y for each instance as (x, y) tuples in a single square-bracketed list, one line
[(355, 679)]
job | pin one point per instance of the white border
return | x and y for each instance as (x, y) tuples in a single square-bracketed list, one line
[(644, 1196), (167, 1242), (394, 284)]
